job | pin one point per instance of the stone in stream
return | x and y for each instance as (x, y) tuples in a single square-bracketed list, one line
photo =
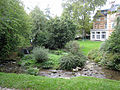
[(76, 69), (54, 71)]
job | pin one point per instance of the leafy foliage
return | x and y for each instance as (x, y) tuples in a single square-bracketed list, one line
[(41, 39), (71, 61), (27, 61), (62, 31), (59, 32), (74, 58), (73, 47), (14, 27), (111, 60), (96, 55), (38, 21), (40, 54), (33, 71)]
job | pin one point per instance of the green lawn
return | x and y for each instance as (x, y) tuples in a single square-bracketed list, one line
[(88, 45), (23, 81)]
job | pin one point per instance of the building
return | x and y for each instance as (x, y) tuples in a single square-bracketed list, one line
[(103, 24)]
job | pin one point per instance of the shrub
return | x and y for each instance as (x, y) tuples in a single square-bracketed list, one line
[(28, 57), (20, 54), (95, 55), (111, 60), (40, 54), (104, 46), (73, 47), (70, 61), (33, 71), (47, 65), (27, 60)]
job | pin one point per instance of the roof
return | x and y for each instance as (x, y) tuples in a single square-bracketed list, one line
[(104, 12)]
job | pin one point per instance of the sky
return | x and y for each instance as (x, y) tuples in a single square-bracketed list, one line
[(54, 5)]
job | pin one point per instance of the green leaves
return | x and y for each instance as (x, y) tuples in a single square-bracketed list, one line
[(14, 30)]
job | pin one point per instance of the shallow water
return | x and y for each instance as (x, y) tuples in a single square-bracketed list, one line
[(91, 69)]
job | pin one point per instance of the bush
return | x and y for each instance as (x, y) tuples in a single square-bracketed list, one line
[(104, 46), (73, 47), (40, 54), (71, 61), (33, 71), (27, 60), (47, 65), (111, 60), (95, 55)]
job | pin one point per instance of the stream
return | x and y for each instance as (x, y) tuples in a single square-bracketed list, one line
[(91, 69)]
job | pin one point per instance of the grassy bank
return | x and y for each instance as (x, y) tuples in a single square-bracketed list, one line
[(43, 83), (88, 45)]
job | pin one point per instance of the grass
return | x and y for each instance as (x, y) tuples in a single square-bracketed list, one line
[(88, 45), (22, 81), (55, 59)]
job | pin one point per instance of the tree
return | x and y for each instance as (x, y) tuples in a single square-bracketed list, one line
[(79, 11), (14, 27), (113, 43), (39, 20), (62, 31), (59, 31)]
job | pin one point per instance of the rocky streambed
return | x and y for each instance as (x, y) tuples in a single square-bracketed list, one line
[(90, 69)]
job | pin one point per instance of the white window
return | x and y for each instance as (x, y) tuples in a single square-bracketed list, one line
[(93, 36), (103, 35), (98, 36)]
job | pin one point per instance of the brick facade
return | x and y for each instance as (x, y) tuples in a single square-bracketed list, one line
[(103, 26)]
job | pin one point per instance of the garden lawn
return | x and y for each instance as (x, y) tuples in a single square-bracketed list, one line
[(88, 45), (22, 81)]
